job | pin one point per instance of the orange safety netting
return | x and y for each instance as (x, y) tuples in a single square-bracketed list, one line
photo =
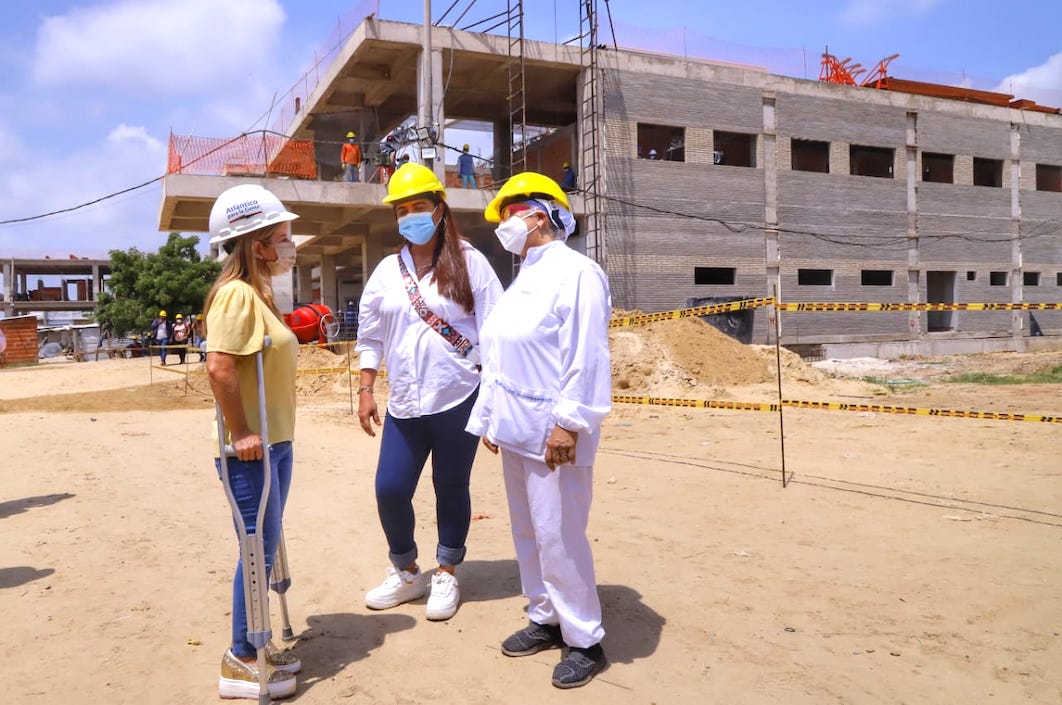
[(258, 154)]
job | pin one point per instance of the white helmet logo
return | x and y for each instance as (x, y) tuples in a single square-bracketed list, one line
[(239, 211)]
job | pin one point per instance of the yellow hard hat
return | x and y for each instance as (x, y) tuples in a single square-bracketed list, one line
[(529, 184), (350, 134), (180, 316), (198, 316), (412, 180), (465, 148), (162, 314)]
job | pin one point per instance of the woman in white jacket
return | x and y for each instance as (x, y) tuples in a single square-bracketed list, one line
[(546, 389)]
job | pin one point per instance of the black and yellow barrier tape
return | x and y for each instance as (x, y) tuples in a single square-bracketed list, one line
[(833, 406)]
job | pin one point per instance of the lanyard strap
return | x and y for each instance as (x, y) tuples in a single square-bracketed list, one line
[(462, 345)]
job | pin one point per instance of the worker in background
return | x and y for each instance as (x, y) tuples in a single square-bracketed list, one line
[(652, 154), (197, 335), (182, 335), (466, 169), (161, 331), (350, 157), (567, 182)]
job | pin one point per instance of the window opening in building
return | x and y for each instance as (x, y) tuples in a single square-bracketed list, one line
[(938, 168), (815, 277), (988, 172), (1058, 278), (971, 276), (811, 155), (940, 289), (876, 277), (1048, 177), (726, 276), (734, 148), (661, 142), (1031, 278), (997, 278), (871, 161)]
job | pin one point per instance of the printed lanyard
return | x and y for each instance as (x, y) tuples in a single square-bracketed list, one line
[(462, 345)]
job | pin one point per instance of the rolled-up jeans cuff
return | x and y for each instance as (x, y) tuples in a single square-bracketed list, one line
[(401, 560), (450, 556)]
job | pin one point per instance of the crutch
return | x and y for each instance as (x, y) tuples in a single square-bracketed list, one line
[(280, 581), (252, 545)]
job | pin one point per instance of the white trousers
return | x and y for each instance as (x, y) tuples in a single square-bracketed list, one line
[(549, 511)]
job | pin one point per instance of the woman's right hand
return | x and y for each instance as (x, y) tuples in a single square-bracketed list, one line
[(367, 410), (248, 446), (490, 446)]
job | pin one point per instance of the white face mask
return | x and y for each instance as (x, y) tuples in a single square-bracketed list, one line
[(512, 234), (285, 258)]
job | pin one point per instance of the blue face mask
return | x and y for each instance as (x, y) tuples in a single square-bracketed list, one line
[(418, 228)]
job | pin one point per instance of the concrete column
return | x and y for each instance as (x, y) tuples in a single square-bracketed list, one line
[(840, 158), (772, 259), (503, 147), (1017, 281), (97, 284), (304, 288), (438, 113), (329, 295), (911, 169), (9, 289)]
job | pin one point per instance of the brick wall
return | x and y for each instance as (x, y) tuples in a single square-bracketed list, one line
[(21, 334)]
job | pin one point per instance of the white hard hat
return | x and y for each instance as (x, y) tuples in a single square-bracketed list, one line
[(243, 209)]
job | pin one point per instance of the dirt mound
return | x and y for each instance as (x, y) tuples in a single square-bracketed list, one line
[(682, 355)]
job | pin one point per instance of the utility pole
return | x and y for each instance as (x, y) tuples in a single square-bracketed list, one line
[(424, 115)]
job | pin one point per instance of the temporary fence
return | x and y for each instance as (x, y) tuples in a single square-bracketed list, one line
[(258, 154)]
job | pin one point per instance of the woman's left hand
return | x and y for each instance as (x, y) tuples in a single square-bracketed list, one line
[(560, 447)]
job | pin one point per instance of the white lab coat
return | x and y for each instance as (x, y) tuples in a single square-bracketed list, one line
[(545, 356)]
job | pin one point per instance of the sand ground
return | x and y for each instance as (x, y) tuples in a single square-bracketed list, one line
[(909, 559)]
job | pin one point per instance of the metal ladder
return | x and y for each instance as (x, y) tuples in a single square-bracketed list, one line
[(590, 166), (517, 98)]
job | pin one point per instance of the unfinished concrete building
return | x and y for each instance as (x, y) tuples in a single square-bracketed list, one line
[(700, 181)]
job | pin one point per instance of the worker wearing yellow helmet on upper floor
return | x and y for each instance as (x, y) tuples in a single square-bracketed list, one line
[(350, 158), (466, 169), (420, 314)]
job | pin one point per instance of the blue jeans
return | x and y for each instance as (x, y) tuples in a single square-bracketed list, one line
[(350, 173), (162, 343), (247, 482), (468, 180), (404, 449)]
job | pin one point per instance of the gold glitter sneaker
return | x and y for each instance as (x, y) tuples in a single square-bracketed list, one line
[(283, 660), (240, 680)]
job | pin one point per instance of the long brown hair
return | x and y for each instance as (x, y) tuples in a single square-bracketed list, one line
[(242, 265)]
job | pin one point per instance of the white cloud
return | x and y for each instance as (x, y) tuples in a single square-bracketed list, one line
[(138, 135), (1041, 83), (869, 12), (159, 47)]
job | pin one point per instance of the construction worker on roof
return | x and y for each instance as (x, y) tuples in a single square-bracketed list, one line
[(350, 157)]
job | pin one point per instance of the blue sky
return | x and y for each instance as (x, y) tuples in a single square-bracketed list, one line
[(91, 90)]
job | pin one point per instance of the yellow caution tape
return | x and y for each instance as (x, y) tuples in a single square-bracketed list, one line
[(324, 371), (644, 318), (820, 307), (695, 403), (915, 411), (840, 306), (833, 406)]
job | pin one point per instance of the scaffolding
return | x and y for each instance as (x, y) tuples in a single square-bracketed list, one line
[(517, 93), (589, 119)]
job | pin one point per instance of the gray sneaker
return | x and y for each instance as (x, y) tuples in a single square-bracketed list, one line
[(580, 666), (532, 639)]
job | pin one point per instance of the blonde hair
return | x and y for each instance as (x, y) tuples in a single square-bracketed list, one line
[(242, 265)]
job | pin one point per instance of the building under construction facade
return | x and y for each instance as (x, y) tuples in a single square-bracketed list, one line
[(699, 181)]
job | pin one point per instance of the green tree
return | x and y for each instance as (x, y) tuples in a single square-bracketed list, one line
[(175, 279)]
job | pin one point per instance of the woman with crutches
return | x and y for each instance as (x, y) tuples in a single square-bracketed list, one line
[(253, 227)]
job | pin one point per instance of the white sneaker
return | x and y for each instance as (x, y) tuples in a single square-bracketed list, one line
[(400, 586), (444, 598)]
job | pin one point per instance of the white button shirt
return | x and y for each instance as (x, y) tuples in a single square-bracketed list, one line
[(425, 374), (546, 357)]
